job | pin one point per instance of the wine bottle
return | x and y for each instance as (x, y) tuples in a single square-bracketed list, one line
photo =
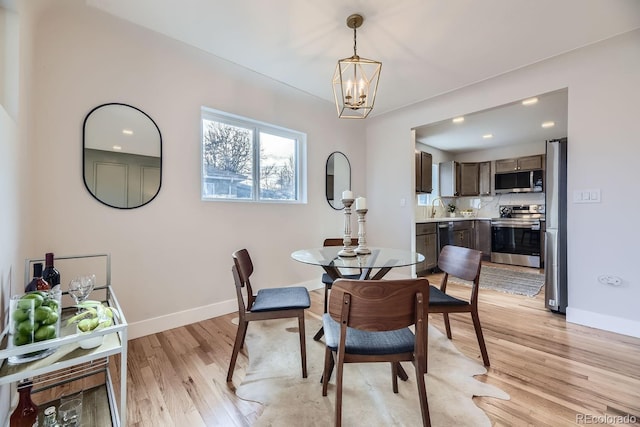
[(26, 413), (37, 277), (50, 274)]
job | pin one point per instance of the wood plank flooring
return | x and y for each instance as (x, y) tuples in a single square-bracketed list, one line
[(555, 372)]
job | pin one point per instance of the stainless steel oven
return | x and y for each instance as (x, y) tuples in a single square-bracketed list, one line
[(516, 237)]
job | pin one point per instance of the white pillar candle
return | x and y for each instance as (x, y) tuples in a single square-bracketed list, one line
[(347, 194), (361, 203)]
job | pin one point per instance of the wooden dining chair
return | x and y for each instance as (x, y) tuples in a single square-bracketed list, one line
[(268, 303), (327, 280), (464, 263), (368, 321)]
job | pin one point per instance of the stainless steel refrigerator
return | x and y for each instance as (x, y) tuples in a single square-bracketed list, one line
[(555, 265)]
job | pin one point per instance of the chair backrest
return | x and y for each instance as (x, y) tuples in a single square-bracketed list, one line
[(333, 242), (380, 305), (242, 270), (461, 262)]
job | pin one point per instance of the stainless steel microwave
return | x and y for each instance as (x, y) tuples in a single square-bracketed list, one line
[(519, 182)]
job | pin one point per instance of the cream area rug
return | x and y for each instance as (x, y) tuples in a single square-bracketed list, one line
[(508, 281), (274, 379)]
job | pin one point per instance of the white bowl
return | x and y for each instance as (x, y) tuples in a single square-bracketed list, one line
[(467, 214), (92, 341)]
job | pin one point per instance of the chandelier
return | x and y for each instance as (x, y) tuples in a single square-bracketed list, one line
[(355, 81)]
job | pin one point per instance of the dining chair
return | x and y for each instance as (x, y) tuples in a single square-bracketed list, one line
[(268, 303), (368, 321), (463, 263), (327, 280)]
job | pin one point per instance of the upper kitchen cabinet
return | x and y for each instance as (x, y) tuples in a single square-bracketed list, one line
[(468, 179), (484, 178), (424, 182), (519, 164), (448, 179), (465, 179)]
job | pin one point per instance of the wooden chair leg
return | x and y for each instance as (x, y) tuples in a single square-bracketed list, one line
[(328, 367), (326, 297), (339, 373), (237, 345), (244, 334), (394, 376), (447, 325), (478, 328), (422, 395), (303, 344)]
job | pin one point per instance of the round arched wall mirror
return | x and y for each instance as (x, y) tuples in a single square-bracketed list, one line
[(337, 178), (122, 156)]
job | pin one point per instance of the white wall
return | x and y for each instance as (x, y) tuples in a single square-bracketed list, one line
[(603, 84), (171, 259)]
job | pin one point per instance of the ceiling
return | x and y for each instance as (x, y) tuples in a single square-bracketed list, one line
[(427, 47), (510, 124)]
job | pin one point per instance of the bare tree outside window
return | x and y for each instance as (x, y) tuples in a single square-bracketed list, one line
[(241, 160)]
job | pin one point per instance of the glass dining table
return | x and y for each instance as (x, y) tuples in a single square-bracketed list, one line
[(380, 259)]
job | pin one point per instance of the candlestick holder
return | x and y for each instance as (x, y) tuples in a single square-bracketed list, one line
[(347, 250), (362, 239)]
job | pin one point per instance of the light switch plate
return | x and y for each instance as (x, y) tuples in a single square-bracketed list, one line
[(586, 196)]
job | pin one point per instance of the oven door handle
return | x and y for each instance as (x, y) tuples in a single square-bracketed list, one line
[(531, 225)]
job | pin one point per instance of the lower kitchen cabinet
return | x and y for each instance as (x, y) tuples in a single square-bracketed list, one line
[(427, 245), (483, 237)]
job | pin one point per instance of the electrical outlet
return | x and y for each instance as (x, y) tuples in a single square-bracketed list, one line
[(610, 280)]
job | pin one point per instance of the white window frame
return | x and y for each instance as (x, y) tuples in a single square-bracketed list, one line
[(300, 156)]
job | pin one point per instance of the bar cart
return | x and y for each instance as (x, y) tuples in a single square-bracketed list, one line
[(68, 362)]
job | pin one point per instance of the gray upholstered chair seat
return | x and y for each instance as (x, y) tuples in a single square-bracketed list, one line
[(368, 343), (327, 280), (436, 296), (271, 299)]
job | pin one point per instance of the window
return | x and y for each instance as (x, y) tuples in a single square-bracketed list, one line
[(427, 199), (243, 159)]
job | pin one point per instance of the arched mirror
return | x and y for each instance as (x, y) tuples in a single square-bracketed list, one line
[(338, 178), (122, 156)]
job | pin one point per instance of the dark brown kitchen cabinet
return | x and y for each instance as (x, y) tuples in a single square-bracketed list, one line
[(519, 164), (427, 245), (468, 179), (424, 182), (484, 178), (483, 237)]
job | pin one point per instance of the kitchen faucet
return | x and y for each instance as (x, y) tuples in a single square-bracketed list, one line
[(433, 206)]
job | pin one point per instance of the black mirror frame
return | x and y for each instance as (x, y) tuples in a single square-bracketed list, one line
[(84, 180), (326, 178)]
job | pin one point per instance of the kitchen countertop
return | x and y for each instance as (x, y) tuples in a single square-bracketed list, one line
[(448, 218)]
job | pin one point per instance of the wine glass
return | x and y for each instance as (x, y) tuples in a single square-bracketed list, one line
[(80, 287)]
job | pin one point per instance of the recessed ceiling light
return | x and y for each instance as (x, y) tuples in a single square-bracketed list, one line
[(127, 131), (530, 101), (117, 147), (487, 136), (548, 124), (458, 120)]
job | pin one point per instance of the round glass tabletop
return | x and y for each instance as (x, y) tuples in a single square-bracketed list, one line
[(378, 258)]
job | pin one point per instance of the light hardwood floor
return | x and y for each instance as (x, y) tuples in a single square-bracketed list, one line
[(554, 371)]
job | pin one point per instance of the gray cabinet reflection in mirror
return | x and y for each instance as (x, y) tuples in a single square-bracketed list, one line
[(122, 156), (337, 178)]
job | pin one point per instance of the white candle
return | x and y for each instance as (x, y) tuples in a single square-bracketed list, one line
[(361, 203), (347, 194)]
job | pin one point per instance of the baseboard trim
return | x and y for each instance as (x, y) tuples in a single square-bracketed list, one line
[(198, 314), (604, 322)]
